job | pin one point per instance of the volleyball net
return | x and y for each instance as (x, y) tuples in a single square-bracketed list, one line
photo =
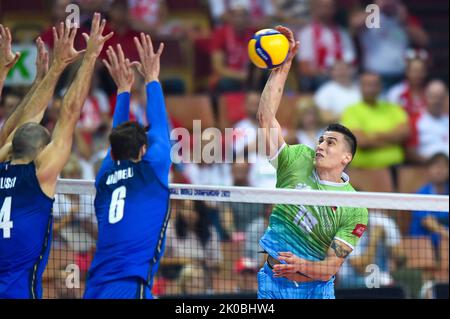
[(212, 242)]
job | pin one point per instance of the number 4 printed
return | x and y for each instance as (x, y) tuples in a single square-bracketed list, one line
[(5, 218)]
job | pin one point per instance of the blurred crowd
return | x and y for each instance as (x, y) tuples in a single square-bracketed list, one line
[(378, 81)]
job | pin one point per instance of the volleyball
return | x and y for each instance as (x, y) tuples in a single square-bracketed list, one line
[(268, 49)]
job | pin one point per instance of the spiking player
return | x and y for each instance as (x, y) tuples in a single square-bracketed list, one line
[(306, 245), (36, 161), (132, 200)]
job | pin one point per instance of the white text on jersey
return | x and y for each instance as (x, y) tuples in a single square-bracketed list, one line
[(119, 175), (7, 182)]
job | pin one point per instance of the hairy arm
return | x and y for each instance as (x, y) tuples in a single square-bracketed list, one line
[(7, 58), (33, 107), (271, 98), (54, 157)]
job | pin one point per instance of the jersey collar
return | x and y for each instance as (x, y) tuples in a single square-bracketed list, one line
[(344, 176)]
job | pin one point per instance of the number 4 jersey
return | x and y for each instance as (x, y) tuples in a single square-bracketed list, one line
[(25, 231), (132, 209), (307, 231)]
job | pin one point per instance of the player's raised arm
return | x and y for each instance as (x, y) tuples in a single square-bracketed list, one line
[(41, 70), (7, 58), (271, 98), (121, 71), (158, 134), (52, 159), (33, 106)]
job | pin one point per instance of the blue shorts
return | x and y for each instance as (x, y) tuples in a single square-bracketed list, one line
[(126, 288), (282, 288)]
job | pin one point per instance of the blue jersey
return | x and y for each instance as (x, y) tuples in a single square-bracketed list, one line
[(132, 202), (25, 231)]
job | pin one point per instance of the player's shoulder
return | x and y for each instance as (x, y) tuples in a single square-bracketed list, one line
[(296, 151)]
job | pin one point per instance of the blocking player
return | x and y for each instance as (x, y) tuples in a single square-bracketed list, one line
[(28, 179), (132, 200)]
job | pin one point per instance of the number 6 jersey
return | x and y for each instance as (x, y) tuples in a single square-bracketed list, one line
[(132, 202)]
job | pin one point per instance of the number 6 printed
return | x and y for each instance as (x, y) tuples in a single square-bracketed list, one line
[(117, 205)]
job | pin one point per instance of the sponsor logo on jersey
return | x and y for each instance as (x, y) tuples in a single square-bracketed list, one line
[(359, 230)]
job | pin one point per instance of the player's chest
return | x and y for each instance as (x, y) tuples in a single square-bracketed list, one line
[(318, 220)]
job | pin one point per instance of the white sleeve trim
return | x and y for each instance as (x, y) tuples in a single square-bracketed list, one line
[(278, 152), (345, 242)]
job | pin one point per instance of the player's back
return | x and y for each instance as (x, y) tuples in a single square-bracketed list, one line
[(25, 231), (132, 209)]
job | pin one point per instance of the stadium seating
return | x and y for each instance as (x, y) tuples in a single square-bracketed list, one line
[(371, 180), (185, 109), (419, 253)]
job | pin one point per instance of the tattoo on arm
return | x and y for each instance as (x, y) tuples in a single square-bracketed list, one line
[(340, 251)]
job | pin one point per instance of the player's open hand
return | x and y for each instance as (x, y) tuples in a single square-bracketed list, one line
[(293, 44), (149, 66), (64, 52), (7, 58), (120, 69), (41, 60), (290, 267), (96, 40)]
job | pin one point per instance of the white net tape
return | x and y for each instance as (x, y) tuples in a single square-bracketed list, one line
[(393, 201)]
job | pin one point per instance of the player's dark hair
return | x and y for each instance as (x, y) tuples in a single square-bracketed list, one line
[(127, 140), (348, 136), (28, 139), (436, 158)]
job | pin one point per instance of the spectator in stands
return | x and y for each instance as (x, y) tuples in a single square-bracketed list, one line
[(95, 117), (292, 13), (89, 7), (310, 124), (432, 134), (246, 270), (433, 224), (261, 12), (8, 102), (380, 127), (322, 43), (75, 222), (192, 280), (148, 16), (380, 246), (58, 15), (261, 174), (243, 213), (410, 93), (229, 42), (119, 22), (384, 48), (255, 230), (192, 239), (336, 95)]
